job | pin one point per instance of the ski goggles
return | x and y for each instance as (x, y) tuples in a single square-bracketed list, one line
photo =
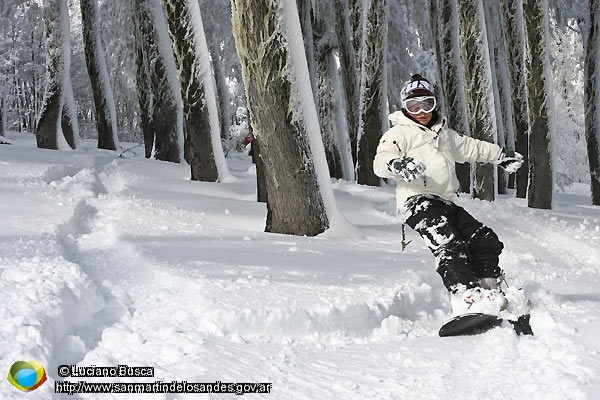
[(418, 105)]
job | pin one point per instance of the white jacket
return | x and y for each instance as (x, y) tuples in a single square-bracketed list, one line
[(437, 147)]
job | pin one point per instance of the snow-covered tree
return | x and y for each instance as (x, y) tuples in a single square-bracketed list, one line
[(361, 28), (159, 70), (568, 36), (539, 96), (411, 47), (479, 91), (328, 88), (221, 88), (206, 158), (305, 11), (282, 110), (53, 120), (501, 85), (21, 63), (592, 97), (106, 113), (295, 205), (261, 179), (69, 122), (349, 67), (142, 29), (446, 34), (373, 90), (512, 18), (118, 37), (216, 18), (3, 67), (2, 108)]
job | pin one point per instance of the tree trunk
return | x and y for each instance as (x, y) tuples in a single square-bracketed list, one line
[(70, 124), (49, 130), (480, 98), (167, 111), (295, 205), (446, 32), (2, 111), (222, 90), (66, 124), (373, 91), (539, 193), (193, 76), (166, 104), (592, 96), (327, 103), (499, 83), (349, 70), (36, 94), (305, 14), (261, 182), (515, 37), (106, 114), (142, 30)]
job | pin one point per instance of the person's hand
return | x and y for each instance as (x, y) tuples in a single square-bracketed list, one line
[(406, 167), (510, 161)]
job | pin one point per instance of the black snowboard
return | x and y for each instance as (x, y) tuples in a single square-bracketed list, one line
[(476, 323), (469, 324)]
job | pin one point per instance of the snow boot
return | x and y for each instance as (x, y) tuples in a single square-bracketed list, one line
[(477, 300), (518, 307)]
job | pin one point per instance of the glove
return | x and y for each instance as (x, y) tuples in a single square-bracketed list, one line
[(406, 167), (510, 161)]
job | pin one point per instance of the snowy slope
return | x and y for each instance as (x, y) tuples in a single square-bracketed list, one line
[(107, 261)]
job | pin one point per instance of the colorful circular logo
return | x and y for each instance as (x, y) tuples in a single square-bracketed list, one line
[(27, 375)]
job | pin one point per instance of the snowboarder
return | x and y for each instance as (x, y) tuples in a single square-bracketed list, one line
[(420, 152)]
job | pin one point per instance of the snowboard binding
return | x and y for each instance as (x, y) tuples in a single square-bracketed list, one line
[(517, 313)]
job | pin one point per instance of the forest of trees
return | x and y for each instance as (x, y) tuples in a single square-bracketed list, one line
[(315, 80)]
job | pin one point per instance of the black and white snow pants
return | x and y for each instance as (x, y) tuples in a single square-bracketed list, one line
[(465, 249)]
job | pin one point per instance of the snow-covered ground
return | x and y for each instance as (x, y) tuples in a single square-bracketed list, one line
[(108, 261)]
